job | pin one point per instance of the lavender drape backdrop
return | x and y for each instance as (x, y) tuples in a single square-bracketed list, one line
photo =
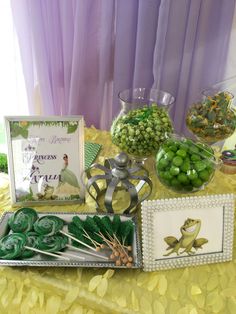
[(81, 53)]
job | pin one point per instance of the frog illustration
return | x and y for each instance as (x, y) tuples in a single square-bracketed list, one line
[(47, 194), (188, 240)]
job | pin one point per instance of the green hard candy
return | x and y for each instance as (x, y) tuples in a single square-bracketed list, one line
[(141, 131), (185, 166)]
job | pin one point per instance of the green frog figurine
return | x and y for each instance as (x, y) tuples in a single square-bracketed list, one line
[(188, 240)]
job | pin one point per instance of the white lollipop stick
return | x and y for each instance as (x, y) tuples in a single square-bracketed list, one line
[(73, 238), (70, 255), (46, 253), (86, 252)]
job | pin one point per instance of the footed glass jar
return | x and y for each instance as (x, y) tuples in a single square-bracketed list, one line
[(214, 118), (185, 166), (143, 122)]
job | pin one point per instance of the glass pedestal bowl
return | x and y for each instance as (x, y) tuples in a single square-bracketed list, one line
[(143, 122), (185, 166)]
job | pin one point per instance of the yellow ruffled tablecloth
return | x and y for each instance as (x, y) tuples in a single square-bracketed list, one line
[(193, 290)]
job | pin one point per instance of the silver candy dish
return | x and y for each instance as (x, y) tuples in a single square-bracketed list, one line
[(41, 260)]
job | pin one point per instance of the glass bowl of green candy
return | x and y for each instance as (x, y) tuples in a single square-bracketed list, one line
[(184, 165), (143, 122), (214, 118)]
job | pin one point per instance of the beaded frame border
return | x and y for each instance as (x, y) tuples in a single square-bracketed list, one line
[(151, 208)]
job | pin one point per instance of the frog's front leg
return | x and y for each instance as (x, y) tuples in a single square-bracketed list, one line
[(175, 249)]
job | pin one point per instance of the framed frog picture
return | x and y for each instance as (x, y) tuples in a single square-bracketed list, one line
[(45, 159), (177, 232)]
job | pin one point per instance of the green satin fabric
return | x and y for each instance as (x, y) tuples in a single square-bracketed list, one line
[(193, 290)]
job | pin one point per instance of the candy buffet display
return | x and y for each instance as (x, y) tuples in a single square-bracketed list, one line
[(185, 166), (36, 239), (213, 119)]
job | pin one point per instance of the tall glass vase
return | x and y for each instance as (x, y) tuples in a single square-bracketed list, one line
[(143, 122)]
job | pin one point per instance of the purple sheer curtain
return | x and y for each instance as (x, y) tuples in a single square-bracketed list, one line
[(191, 51), (81, 53)]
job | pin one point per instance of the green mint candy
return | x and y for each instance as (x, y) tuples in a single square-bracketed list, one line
[(185, 166), (174, 171), (182, 177), (200, 165), (192, 174), (197, 183), (163, 163), (204, 175), (177, 161), (169, 155), (182, 153)]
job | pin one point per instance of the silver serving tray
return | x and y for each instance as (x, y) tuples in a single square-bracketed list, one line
[(90, 261)]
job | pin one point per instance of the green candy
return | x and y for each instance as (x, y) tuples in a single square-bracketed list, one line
[(184, 166), (182, 153), (213, 119), (169, 155), (12, 245), (200, 165), (52, 243), (31, 241), (182, 178), (192, 174), (177, 161), (167, 175), (163, 163), (174, 170), (204, 175), (48, 225), (197, 183), (23, 220), (141, 131)]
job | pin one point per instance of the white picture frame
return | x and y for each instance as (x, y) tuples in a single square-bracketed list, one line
[(45, 159), (188, 231)]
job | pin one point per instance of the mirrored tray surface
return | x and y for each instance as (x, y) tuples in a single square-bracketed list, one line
[(89, 261)]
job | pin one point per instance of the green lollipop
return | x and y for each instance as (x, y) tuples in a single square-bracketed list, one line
[(11, 245), (48, 225), (52, 243), (23, 219), (31, 241)]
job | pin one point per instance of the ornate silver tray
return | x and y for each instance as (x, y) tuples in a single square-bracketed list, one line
[(89, 261)]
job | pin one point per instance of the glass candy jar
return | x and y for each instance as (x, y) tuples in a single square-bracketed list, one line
[(214, 118), (143, 121), (185, 166)]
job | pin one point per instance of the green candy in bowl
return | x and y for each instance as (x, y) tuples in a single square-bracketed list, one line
[(143, 122), (185, 166)]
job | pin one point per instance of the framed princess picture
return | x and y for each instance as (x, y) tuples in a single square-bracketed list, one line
[(45, 159)]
